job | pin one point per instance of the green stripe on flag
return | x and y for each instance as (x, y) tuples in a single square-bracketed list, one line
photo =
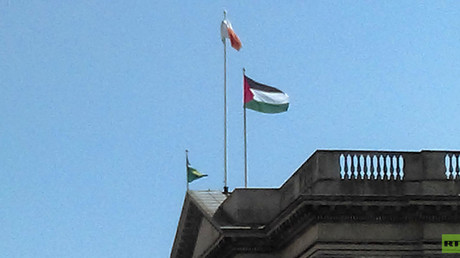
[(266, 107)]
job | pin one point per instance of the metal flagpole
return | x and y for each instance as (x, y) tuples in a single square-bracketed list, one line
[(225, 110), (186, 167), (245, 139)]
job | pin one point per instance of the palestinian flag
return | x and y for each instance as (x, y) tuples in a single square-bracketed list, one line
[(193, 174), (263, 98)]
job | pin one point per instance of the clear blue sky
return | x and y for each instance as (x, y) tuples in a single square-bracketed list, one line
[(100, 99)]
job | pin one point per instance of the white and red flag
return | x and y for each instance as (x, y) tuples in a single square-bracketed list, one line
[(227, 32)]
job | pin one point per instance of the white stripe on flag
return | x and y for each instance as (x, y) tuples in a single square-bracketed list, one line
[(276, 98)]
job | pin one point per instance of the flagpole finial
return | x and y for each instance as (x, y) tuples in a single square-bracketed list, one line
[(244, 70), (225, 14)]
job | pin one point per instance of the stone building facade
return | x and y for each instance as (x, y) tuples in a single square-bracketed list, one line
[(337, 204)]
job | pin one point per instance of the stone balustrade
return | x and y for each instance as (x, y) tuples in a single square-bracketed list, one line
[(361, 176), (334, 172)]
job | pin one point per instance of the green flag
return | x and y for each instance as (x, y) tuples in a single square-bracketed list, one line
[(193, 174)]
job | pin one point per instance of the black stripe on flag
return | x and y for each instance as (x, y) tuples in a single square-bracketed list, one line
[(259, 86)]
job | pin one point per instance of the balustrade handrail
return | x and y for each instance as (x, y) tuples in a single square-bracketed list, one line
[(371, 151), (403, 166)]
